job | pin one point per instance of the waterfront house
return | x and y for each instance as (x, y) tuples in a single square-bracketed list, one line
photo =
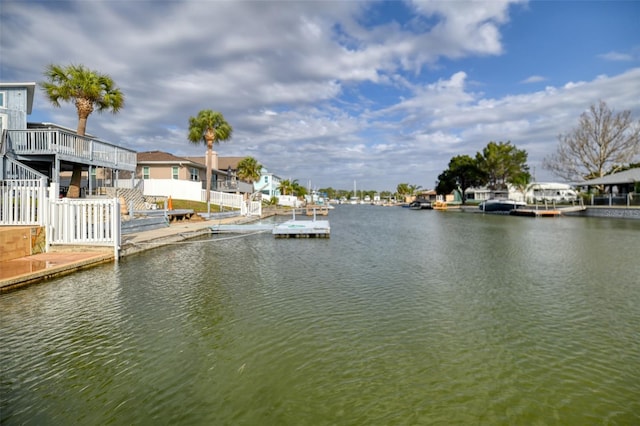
[(165, 174), (33, 160), (622, 188), (47, 150), (268, 184)]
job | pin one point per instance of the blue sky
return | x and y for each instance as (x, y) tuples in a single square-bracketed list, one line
[(329, 92)]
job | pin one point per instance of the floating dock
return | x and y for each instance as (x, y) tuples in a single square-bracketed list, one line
[(240, 229), (302, 229), (289, 229)]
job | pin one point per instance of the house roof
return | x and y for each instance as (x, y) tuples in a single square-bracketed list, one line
[(159, 157), (47, 125), (199, 160), (226, 162), (223, 162), (627, 176), (30, 90)]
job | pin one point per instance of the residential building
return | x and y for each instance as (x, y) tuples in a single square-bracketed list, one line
[(165, 174), (268, 184), (46, 150)]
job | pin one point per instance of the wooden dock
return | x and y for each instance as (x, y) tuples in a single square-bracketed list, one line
[(316, 209), (535, 213)]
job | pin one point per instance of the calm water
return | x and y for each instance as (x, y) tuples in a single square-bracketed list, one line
[(402, 317)]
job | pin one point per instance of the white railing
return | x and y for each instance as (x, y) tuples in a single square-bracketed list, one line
[(252, 208), (23, 202), (15, 170), (70, 146), (224, 199), (84, 221)]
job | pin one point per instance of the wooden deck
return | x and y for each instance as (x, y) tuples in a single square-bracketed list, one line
[(315, 209)]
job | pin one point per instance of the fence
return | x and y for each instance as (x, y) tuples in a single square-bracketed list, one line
[(628, 200), (23, 202), (84, 221), (252, 208)]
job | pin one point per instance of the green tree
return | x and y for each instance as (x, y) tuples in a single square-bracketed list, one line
[(285, 187), (297, 189), (249, 169), (502, 164), (90, 90), (385, 195), (601, 144), (413, 189), (331, 193), (462, 174), (209, 127), (403, 190)]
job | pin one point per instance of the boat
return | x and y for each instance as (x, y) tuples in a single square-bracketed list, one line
[(501, 205), (440, 205), (420, 205)]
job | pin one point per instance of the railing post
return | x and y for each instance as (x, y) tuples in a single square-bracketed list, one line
[(116, 226)]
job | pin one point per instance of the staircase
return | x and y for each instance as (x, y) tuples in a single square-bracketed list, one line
[(130, 195)]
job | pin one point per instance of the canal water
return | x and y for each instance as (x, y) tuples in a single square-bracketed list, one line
[(402, 317)]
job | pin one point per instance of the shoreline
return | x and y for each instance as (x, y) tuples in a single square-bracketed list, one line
[(63, 260)]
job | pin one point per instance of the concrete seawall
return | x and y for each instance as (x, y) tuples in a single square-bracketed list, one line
[(62, 260), (608, 212)]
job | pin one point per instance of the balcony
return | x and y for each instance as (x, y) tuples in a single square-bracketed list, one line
[(233, 186), (67, 146)]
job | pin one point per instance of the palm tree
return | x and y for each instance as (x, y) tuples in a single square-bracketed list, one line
[(209, 127), (90, 90), (285, 187), (249, 169), (403, 190), (297, 189)]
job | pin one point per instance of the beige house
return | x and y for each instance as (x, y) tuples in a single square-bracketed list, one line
[(163, 166)]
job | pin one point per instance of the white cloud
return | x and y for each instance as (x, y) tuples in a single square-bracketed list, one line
[(617, 56), (534, 79)]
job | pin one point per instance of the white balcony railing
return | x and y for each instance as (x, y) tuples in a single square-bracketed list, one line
[(71, 147)]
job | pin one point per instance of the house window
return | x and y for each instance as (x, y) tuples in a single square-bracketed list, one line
[(145, 172), (174, 172), (2, 96), (194, 176)]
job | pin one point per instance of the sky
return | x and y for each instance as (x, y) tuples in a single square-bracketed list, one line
[(336, 93)]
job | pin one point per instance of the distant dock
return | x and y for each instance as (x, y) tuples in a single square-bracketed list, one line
[(535, 213), (289, 229), (546, 212)]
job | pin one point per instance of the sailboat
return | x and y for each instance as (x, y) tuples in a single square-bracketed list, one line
[(354, 199)]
